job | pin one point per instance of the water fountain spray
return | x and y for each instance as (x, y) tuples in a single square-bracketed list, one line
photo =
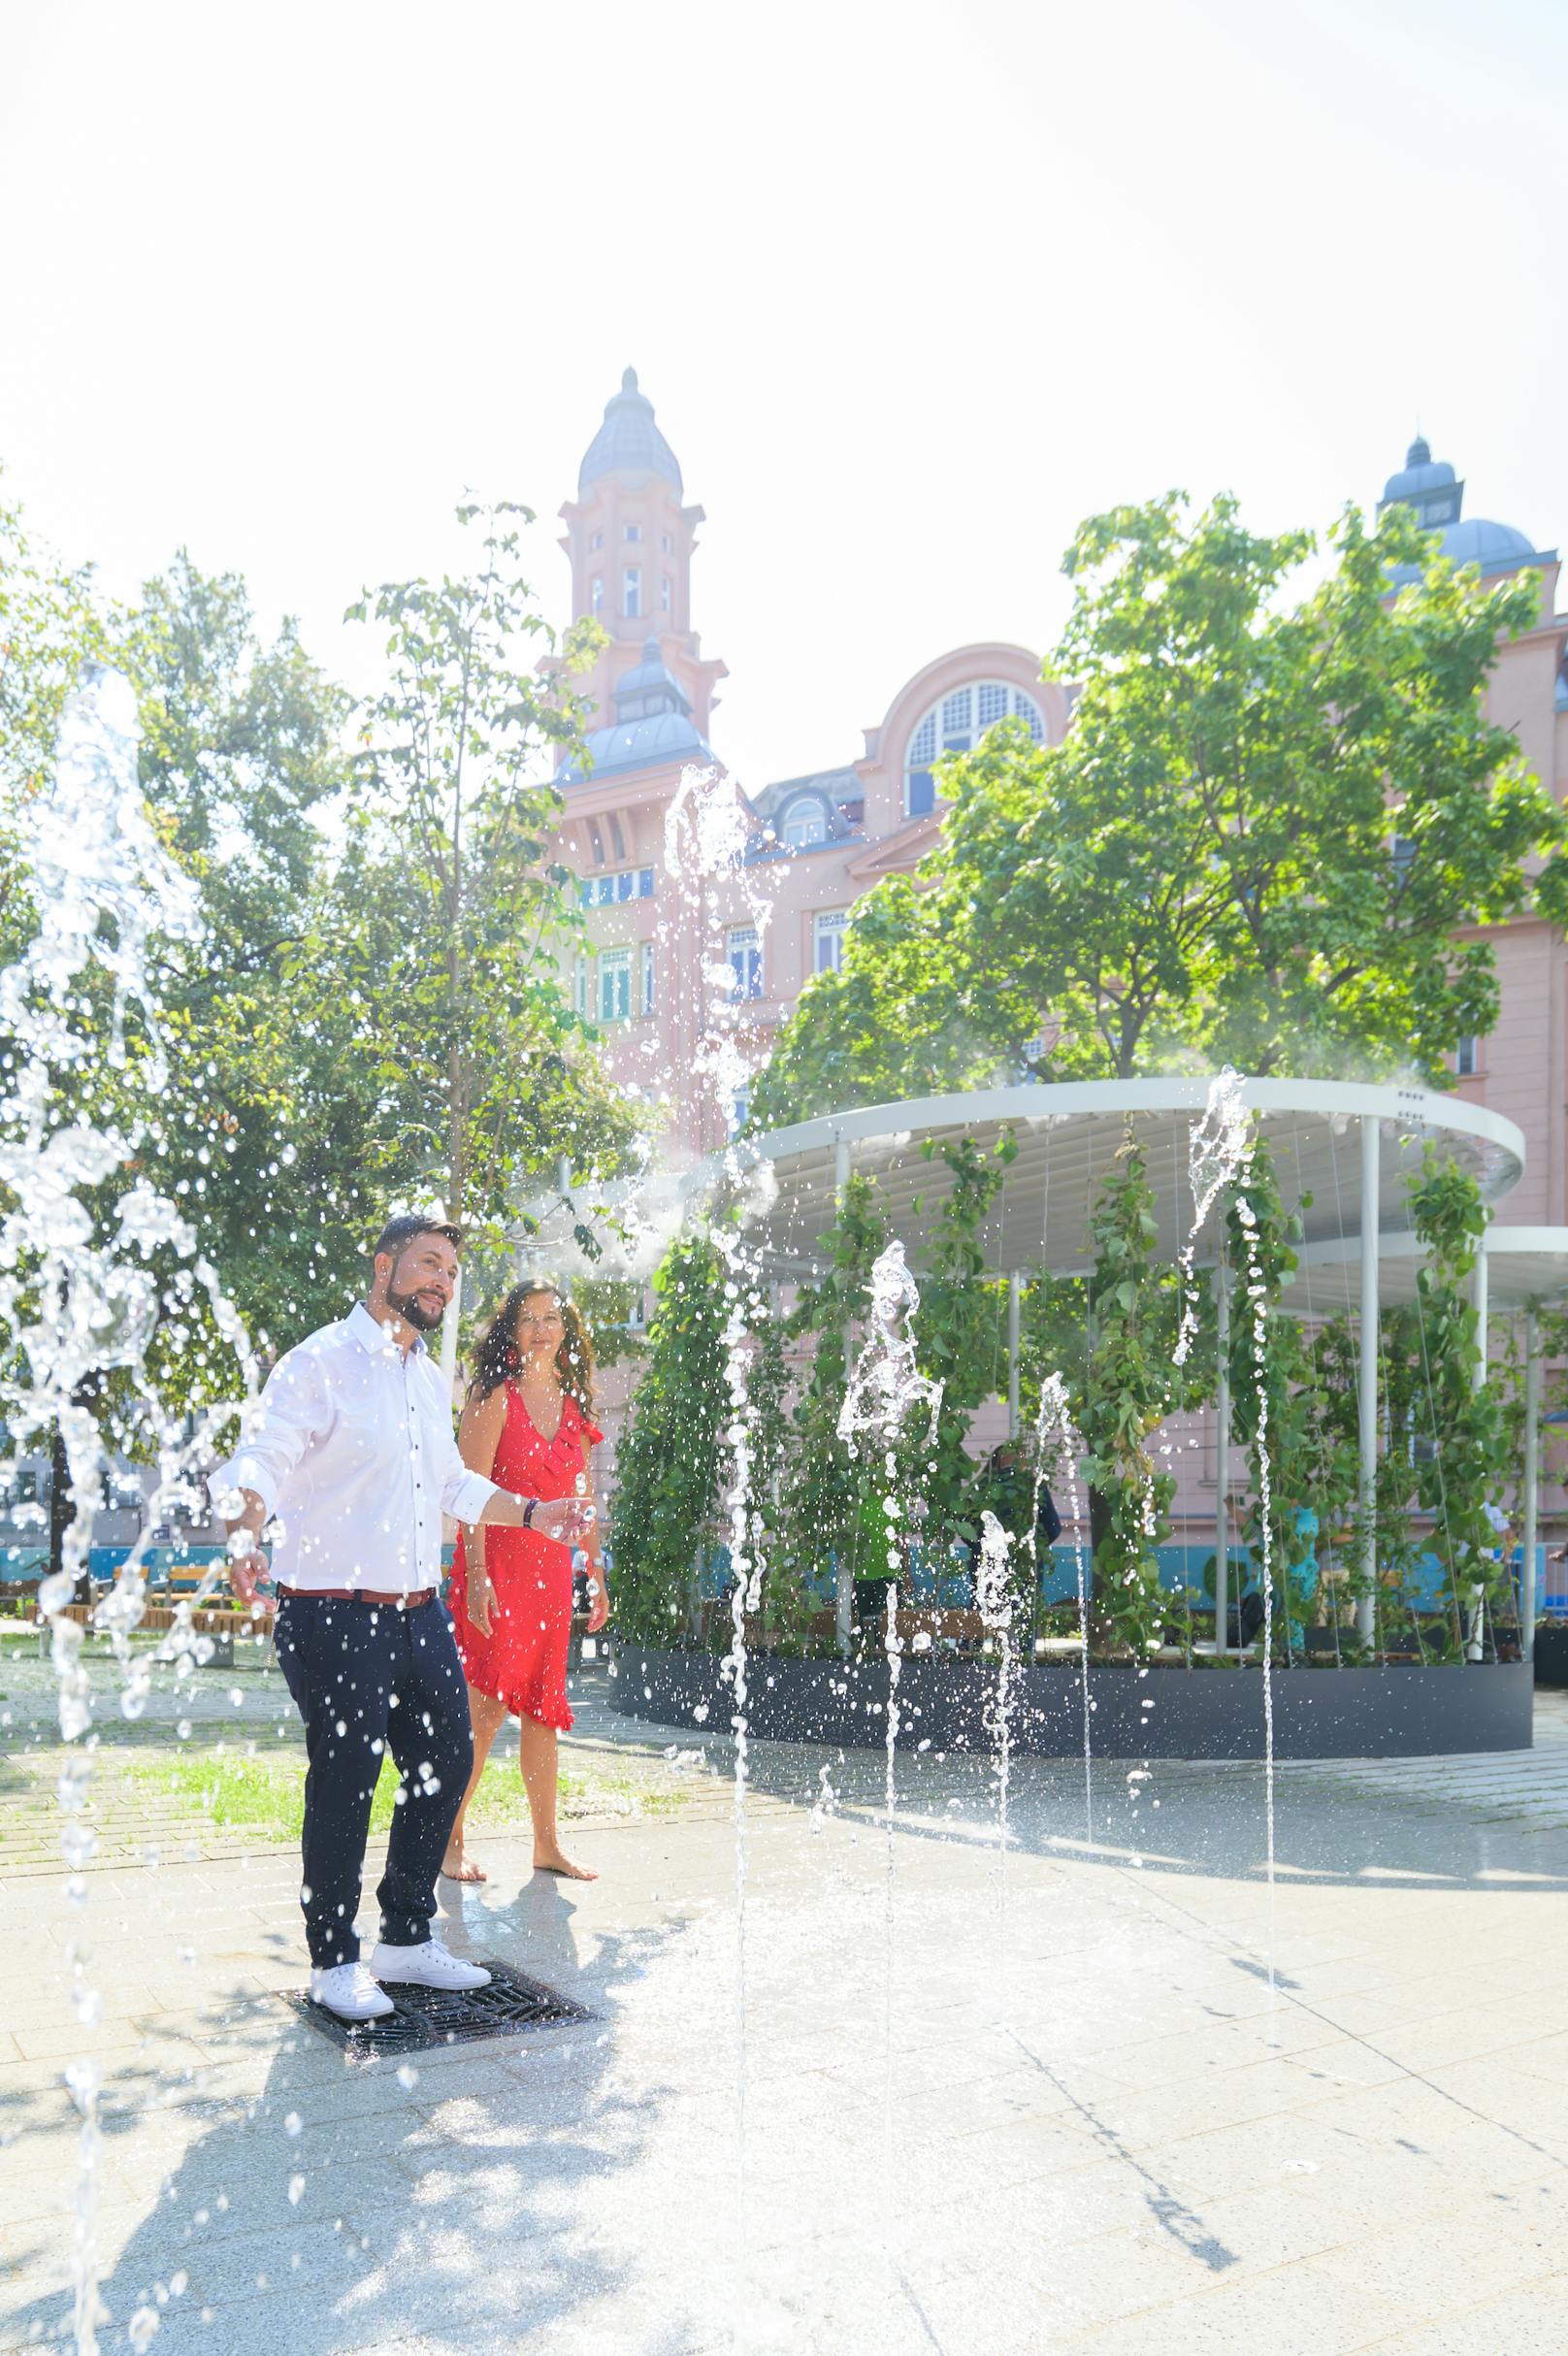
[(882, 1398), (1058, 1449), (707, 831), (994, 1597), (80, 1297)]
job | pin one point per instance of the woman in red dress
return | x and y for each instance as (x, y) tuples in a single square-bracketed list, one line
[(527, 1425)]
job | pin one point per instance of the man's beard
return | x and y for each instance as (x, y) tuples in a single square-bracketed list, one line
[(414, 1312)]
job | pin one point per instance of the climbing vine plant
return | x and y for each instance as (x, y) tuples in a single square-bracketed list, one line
[(1128, 1391), (670, 1459), (1461, 1470)]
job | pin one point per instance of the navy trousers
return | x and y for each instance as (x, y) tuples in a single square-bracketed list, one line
[(368, 1678)]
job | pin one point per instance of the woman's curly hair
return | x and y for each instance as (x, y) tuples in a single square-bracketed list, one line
[(499, 1356)]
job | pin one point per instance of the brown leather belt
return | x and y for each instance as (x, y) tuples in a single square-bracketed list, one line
[(403, 1603)]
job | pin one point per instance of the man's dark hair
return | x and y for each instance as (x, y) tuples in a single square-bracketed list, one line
[(400, 1232)]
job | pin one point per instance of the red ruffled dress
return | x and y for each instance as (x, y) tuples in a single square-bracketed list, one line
[(523, 1660)]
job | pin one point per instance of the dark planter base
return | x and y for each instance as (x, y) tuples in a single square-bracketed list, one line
[(1166, 1713), (1551, 1656)]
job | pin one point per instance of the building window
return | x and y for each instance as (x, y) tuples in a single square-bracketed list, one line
[(1467, 1056), (745, 962), (739, 1111), (631, 593), (614, 985), (1403, 855), (804, 823), (665, 542), (954, 726), (664, 594), (631, 532), (647, 977), (598, 540), (625, 883), (583, 986), (828, 940), (595, 595)]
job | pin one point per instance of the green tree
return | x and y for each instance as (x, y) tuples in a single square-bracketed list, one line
[(263, 1136), (1258, 842), (447, 922)]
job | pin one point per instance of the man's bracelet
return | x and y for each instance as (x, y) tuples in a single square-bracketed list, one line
[(527, 1513)]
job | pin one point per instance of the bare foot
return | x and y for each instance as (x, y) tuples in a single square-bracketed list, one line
[(556, 1861), (458, 1866)]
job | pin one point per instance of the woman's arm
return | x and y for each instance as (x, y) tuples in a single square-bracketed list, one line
[(478, 1437), (597, 1583)]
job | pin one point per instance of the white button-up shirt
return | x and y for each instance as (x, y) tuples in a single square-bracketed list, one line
[(350, 1446)]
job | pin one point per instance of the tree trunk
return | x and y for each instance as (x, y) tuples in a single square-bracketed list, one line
[(62, 1495)]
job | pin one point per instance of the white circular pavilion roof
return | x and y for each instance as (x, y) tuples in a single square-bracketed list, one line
[(1525, 1268), (1069, 1136)]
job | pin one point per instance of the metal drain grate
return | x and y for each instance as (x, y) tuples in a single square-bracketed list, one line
[(510, 2005)]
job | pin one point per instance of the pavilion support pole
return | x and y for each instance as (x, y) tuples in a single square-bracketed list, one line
[(1532, 1481), (1367, 1383), (844, 1568), (1015, 1328), (1482, 1308), (1222, 1464), (1475, 1647)]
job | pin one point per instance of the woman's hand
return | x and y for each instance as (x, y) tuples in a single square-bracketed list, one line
[(563, 1518), (598, 1598), (481, 1597)]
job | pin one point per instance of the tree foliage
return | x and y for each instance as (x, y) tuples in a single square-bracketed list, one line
[(446, 924), (1270, 822)]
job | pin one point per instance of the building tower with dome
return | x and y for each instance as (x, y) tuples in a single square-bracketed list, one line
[(820, 840)]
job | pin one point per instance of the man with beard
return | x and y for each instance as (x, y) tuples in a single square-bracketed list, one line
[(350, 1447)]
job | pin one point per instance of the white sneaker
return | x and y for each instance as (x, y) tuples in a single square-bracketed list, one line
[(350, 1991), (430, 1966)]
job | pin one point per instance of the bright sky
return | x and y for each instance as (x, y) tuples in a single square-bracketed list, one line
[(913, 287)]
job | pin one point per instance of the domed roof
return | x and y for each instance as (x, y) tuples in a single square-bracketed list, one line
[(650, 687), (1495, 547), (628, 442), (1436, 499), (1490, 546), (1420, 473), (655, 742)]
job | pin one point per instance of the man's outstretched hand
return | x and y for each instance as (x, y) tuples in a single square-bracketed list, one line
[(249, 1570)]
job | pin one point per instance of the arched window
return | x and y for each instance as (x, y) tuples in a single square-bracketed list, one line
[(955, 725), (804, 823)]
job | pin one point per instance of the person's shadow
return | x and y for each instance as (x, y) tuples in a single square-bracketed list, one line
[(445, 2196)]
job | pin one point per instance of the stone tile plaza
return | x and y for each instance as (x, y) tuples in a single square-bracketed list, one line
[(1107, 2092), (783, 1180)]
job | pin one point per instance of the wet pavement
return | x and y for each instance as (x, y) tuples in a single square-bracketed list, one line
[(1108, 2092)]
